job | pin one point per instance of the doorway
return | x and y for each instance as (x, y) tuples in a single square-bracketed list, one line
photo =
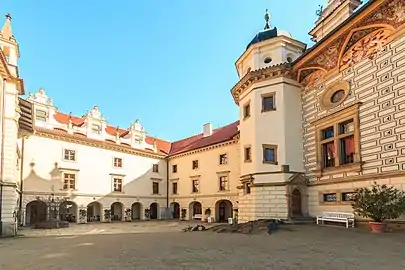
[(296, 203)]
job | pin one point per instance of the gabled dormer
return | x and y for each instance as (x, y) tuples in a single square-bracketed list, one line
[(95, 123), (137, 134), (43, 108)]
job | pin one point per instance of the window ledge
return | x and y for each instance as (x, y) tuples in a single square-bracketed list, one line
[(223, 191), (156, 194), (269, 110), (335, 203), (270, 162), (118, 192), (248, 161), (246, 117), (353, 167)]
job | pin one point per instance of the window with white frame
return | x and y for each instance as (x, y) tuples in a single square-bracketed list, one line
[(96, 128), (117, 162), (69, 181), (223, 183), (69, 155), (117, 184)]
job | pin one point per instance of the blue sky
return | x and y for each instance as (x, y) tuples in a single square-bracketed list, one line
[(168, 63)]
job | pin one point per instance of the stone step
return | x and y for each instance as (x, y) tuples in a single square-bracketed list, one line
[(302, 220)]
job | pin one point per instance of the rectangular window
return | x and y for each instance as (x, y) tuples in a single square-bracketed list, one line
[(268, 103), (248, 154), (155, 168), (330, 197), (337, 145), (118, 162), (196, 186), (195, 164), (96, 129), (41, 115), (174, 187), (117, 184), (246, 111), (348, 196), (269, 154), (223, 159), (155, 187), (69, 155), (69, 181), (223, 183), (174, 168)]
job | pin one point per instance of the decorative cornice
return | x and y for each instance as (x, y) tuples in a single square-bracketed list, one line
[(99, 144), (357, 178), (100, 196), (220, 196), (260, 75)]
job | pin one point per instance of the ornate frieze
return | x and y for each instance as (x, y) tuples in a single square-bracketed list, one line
[(359, 39)]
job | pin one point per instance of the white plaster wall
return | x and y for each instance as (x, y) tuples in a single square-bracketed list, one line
[(94, 167)]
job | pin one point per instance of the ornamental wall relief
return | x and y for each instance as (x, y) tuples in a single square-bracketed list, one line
[(367, 47)]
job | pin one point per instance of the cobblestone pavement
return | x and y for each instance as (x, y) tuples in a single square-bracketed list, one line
[(299, 247), (110, 228)]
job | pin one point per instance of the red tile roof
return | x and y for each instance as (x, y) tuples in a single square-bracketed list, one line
[(219, 135)]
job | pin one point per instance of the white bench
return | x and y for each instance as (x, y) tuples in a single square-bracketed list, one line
[(347, 218), (197, 216)]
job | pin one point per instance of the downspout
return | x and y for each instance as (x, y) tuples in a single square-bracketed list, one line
[(167, 183), (21, 179), (3, 86)]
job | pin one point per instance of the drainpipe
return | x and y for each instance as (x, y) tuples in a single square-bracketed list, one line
[(21, 178), (167, 184), (3, 86)]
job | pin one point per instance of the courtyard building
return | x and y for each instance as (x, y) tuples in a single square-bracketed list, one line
[(313, 125)]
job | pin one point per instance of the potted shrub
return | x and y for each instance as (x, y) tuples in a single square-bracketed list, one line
[(378, 203), (183, 214), (147, 214), (128, 214), (82, 215), (107, 215)]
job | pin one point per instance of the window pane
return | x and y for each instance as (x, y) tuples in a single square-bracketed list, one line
[(327, 133), (268, 103), (269, 155), (331, 197), (346, 127), (328, 154), (347, 150)]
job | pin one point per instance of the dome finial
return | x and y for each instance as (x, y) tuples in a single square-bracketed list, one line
[(267, 18)]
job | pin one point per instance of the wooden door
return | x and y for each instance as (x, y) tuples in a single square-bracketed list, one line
[(296, 204)]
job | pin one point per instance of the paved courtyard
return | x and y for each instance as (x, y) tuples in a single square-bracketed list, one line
[(293, 247)]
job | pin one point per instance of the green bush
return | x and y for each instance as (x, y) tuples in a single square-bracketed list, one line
[(379, 202)]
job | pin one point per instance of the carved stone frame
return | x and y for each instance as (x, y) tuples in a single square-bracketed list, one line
[(351, 112), (326, 102)]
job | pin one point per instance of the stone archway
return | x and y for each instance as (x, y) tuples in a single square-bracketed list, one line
[(296, 203), (175, 209), (223, 210), (94, 211), (117, 211), (36, 212), (195, 210), (68, 211), (154, 210), (136, 210)]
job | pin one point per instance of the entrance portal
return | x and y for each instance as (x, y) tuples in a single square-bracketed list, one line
[(94, 212), (35, 212), (296, 205), (154, 211), (136, 210), (175, 207), (223, 210)]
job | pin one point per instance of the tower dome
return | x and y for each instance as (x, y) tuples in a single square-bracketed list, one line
[(268, 33)]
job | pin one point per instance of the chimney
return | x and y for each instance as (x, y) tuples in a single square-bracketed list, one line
[(207, 130)]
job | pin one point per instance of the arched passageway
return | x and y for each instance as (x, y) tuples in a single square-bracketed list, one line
[(136, 210), (223, 210), (68, 211), (154, 211), (117, 211), (195, 210), (94, 211), (36, 211), (175, 209)]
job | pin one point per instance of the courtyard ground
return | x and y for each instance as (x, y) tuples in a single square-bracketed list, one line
[(132, 246)]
